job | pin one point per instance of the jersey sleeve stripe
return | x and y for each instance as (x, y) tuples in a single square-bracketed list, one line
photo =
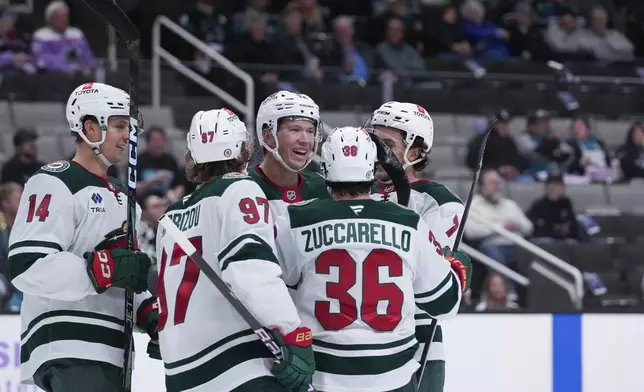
[(362, 365), (217, 366), (19, 263), (251, 247), (362, 347), (426, 296), (36, 244), (209, 349), (443, 303), (421, 330), (71, 331), (44, 318)]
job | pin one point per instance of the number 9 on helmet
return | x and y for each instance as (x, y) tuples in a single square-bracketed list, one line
[(348, 155), (216, 135)]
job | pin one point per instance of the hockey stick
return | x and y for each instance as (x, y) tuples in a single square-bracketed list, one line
[(177, 235), (388, 161), (459, 236), (128, 31)]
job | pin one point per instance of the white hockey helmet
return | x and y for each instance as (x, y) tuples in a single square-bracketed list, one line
[(101, 101), (348, 155), (216, 135), (284, 104), (409, 118)]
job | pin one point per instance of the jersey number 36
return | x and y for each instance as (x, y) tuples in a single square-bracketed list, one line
[(372, 290)]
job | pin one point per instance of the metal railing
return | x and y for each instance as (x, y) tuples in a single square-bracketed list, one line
[(575, 289), (158, 52)]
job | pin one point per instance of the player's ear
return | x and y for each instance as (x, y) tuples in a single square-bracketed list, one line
[(92, 130), (413, 154), (268, 137)]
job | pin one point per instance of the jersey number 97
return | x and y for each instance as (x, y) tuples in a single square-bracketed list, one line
[(372, 290)]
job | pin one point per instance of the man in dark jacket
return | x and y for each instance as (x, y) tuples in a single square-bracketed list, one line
[(501, 152), (631, 153), (25, 162), (553, 215)]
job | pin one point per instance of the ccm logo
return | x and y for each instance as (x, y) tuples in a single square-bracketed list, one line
[(104, 258), (303, 337)]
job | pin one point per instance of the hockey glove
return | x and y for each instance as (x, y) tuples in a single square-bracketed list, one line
[(119, 268), (461, 264), (147, 317), (295, 372)]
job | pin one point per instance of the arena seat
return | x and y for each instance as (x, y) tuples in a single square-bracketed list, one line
[(592, 257)]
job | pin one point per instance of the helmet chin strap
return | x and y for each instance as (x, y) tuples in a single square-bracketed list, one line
[(279, 159), (96, 148), (100, 156)]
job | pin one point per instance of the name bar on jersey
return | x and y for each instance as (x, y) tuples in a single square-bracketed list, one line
[(353, 232)]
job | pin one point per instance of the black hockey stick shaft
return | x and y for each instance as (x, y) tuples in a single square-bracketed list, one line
[(117, 18), (431, 330), (388, 161), (177, 235)]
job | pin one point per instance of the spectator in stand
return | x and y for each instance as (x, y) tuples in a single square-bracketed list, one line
[(566, 38), (395, 54), (154, 205), (253, 47), (59, 47), (14, 49), (631, 153), (491, 206), (526, 40), (313, 18), (355, 57), (501, 153), (255, 10), (553, 215), (487, 39), (534, 139), (495, 297), (548, 10), (591, 157), (10, 194), (445, 37), (294, 50), (208, 24), (158, 171), (377, 27), (605, 44), (25, 161)]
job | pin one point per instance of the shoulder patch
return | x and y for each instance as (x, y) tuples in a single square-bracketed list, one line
[(56, 167), (234, 175)]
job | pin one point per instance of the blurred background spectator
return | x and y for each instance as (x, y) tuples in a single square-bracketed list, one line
[(488, 39), (58, 47), (444, 36), (25, 160), (591, 156), (10, 194), (14, 46), (153, 205), (631, 153), (395, 54), (158, 171), (604, 43), (553, 215), (495, 296)]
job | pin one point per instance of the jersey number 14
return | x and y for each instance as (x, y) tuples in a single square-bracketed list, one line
[(372, 290)]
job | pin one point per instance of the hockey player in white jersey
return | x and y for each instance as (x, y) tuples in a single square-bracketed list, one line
[(364, 267), (408, 130), (68, 255), (205, 344), (289, 130)]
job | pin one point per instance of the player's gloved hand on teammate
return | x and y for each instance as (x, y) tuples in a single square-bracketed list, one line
[(462, 264), (119, 268), (147, 318), (295, 372)]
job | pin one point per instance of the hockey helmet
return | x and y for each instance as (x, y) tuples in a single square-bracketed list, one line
[(348, 155), (409, 118), (285, 104), (216, 135), (98, 100)]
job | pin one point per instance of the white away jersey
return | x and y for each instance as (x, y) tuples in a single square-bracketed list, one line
[(363, 268), (64, 212), (205, 344), (311, 185), (442, 211)]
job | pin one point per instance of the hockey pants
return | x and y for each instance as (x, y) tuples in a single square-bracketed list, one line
[(434, 377), (78, 376)]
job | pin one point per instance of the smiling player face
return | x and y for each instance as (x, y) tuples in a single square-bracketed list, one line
[(296, 138)]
